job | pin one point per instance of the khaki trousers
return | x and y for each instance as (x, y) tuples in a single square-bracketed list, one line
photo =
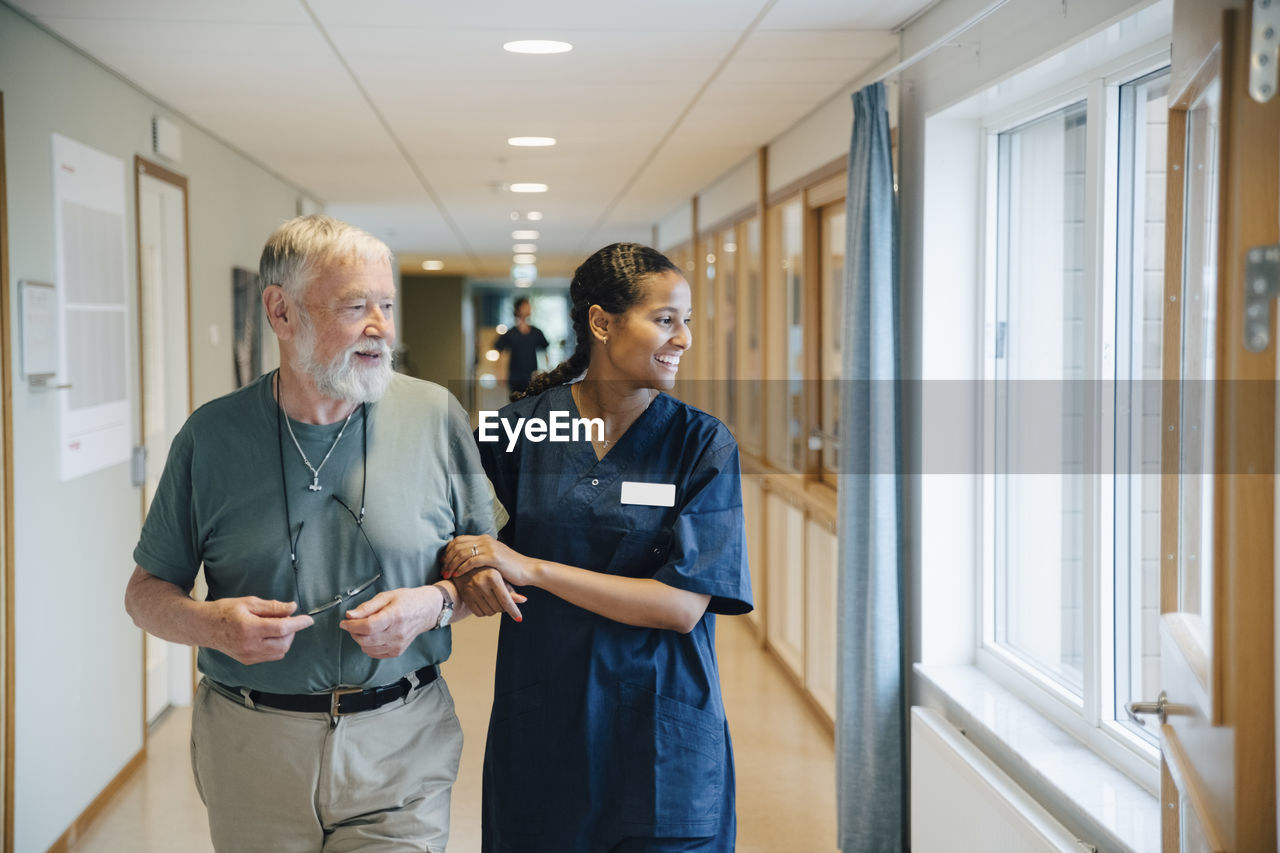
[(285, 781)]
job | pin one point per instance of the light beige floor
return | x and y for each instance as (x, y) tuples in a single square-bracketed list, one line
[(784, 756)]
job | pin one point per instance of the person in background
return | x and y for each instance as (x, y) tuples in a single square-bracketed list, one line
[(608, 732), (524, 341), (318, 499)]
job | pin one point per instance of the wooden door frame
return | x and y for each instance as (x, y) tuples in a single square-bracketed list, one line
[(143, 166), (1244, 497), (6, 427)]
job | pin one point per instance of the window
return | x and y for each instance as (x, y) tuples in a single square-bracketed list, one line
[(1072, 358), (1139, 304), (687, 387), (726, 295), (832, 219), (1039, 361), (785, 323), (1199, 319), (750, 414)]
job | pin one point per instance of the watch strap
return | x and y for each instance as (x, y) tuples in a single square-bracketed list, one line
[(446, 607)]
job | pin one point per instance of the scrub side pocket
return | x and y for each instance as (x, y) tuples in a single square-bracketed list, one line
[(670, 764)]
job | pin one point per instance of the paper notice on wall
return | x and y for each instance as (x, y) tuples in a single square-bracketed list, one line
[(92, 257)]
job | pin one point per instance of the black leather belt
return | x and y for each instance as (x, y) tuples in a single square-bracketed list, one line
[(344, 700)]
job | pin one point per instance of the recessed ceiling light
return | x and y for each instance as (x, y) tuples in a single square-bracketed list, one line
[(528, 188), (501, 328), (433, 265), (515, 216), (524, 235), (533, 216), (537, 46), (531, 141), (492, 355), (524, 259), (525, 247)]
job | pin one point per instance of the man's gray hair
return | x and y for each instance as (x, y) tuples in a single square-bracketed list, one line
[(298, 247)]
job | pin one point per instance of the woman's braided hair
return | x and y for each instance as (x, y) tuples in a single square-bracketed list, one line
[(611, 278)]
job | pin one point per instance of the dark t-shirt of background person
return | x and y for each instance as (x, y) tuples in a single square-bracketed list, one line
[(524, 348)]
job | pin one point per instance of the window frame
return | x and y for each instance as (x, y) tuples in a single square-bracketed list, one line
[(1088, 717)]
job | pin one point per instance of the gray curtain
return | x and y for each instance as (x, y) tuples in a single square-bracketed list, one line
[(871, 747)]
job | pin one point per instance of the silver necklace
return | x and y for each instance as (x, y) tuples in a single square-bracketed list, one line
[(315, 470), (605, 442)]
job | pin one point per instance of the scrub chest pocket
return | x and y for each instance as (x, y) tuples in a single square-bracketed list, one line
[(640, 553)]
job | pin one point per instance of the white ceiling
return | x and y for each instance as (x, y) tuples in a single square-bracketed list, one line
[(395, 113)]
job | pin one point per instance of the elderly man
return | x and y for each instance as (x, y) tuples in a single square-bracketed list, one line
[(318, 499)]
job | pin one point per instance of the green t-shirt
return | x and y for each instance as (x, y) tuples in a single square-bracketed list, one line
[(221, 502)]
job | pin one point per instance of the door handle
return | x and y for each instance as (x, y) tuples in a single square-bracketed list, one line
[(1160, 708)]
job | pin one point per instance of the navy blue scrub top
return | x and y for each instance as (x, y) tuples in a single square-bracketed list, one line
[(602, 731)]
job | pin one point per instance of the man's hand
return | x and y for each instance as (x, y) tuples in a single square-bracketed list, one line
[(253, 630), (485, 593), (386, 624)]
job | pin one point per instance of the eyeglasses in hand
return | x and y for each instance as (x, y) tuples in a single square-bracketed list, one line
[(344, 595)]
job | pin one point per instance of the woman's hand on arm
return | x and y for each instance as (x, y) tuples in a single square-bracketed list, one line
[(467, 553), (643, 602)]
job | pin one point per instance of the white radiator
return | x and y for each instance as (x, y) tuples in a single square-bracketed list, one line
[(960, 800)]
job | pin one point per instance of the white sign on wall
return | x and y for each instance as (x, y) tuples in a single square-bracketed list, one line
[(92, 257)]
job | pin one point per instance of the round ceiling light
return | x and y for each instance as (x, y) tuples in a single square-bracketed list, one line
[(537, 46)]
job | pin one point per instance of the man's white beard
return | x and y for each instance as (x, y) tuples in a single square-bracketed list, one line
[(344, 378)]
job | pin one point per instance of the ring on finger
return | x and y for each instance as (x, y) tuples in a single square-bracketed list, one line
[(475, 549)]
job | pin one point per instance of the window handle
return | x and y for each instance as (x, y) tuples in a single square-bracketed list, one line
[(1160, 708)]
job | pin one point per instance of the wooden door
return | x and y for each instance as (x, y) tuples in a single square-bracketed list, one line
[(1218, 502)]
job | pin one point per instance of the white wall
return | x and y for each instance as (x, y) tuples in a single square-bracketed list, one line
[(739, 188), (824, 134), (78, 690), (675, 228)]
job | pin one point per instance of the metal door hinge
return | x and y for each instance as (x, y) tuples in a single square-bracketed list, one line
[(1262, 50), (139, 465), (1261, 285)]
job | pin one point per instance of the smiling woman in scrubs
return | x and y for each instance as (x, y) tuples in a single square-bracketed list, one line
[(608, 732)]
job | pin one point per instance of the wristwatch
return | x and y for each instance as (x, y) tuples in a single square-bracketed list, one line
[(446, 608)]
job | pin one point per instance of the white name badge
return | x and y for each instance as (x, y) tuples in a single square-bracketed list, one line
[(649, 494)]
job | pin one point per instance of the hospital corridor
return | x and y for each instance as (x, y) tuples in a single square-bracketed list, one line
[(891, 384)]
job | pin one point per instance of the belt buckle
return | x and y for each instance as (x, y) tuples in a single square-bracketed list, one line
[(336, 697)]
